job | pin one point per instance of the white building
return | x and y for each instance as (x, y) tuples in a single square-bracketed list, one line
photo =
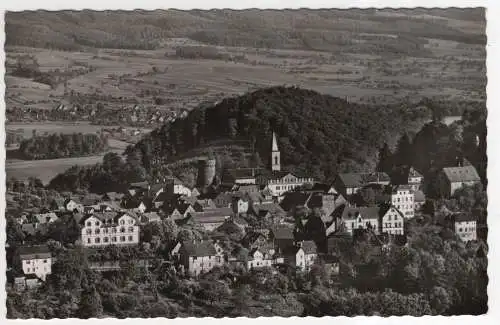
[(104, 229), (403, 198), (258, 259), (465, 226), (415, 179), (392, 221), (36, 260), (175, 186), (359, 218), (198, 258)]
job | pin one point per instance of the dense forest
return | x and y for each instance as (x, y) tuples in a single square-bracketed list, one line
[(322, 29), (62, 145), (318, 134)]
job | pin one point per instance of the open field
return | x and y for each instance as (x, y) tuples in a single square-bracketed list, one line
[(58, 127), (369, 56)]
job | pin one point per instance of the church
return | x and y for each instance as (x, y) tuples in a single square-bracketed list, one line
[(274, 180), (279, 181)]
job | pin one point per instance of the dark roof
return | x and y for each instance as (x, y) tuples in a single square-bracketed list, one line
[(162, 197), (251, 237), (142, 185), (200, 249), (241, 173), (351, 213), (361, 179), (247, 188), (215, 215), (282, 232), (309, 247), (156, 187), (419, 196), (462, 217), (32, 252), (461, 174), (293, 199), (273, 208)]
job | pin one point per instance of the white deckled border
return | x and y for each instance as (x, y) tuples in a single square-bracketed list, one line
[(493, 104)]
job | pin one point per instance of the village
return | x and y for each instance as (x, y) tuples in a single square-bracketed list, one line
[(253, 218)]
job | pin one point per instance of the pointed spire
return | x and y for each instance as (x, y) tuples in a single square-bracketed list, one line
[(275, 143)]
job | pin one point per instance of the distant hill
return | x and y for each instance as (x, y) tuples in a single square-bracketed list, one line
[(321, 29), (317, 133)]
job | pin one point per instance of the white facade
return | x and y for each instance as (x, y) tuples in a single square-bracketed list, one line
[(280, 186), (466, 230), (96, 232), (392, 222), (259, 260), (241, 206), (361, 223), (40, 266), (403, 199), (182, 190)]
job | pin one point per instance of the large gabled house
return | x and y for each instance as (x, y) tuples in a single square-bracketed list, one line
[(464, 225), (109, 228), (391, 220), (350, 183), (198, 258), (451, 179), (352, 218), (35, 260)]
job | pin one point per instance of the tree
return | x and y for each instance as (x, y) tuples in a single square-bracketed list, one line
[(385, 159), (90, 305), (404, 151)]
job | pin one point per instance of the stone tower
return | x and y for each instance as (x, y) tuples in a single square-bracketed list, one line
[(275, 155), (206, 172)]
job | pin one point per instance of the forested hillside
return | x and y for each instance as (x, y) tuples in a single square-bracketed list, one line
[(324, 29), (318, 134)]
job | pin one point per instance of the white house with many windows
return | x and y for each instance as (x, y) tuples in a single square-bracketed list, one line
[(391, 221), (403, 198), (104, 229), (464, 225), (36, 260)]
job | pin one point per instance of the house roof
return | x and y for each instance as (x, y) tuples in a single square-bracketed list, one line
[(419, 196), (241, 173), (461, 174), (215, 215), (273, 208), (361, 179), (151, 216), (142, 185), (462, 217), (351, 213), (414, 173), (402, 187), (309, 247), (282, 232), (34, 252), (200, 249), (157, 187)]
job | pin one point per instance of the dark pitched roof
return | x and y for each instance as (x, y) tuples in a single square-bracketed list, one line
[(419, 196), (157, 187), (461, 174), (351, 213), (462, 217), (282, 232), (32, 252), (199, 249), (241, 173), (414, 173), (309, 247), (361, 179)]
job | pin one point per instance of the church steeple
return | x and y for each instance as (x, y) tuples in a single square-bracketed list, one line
[(275, 155)]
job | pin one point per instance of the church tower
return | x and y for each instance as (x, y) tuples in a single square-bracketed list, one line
[(275, 155)]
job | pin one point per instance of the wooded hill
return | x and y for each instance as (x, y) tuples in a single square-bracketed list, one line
[(317, 133), (322, 29)]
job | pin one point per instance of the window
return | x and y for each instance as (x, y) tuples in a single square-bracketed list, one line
[(27, 262), (89, 224), (98, 240), (114, 230), (130, 229), (89, 231), (88, 240), (45, 261), (106, 239), (97, 223), (130, 222), (122, 222), (122, 238), (130, 238), (105, 230), (122, 229), (459, 229), (97, 231), (113, 239)]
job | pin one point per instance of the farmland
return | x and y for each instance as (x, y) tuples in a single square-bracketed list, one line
[(164, 62)]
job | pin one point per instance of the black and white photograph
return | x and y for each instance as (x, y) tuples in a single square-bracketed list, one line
[(246, 163)]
